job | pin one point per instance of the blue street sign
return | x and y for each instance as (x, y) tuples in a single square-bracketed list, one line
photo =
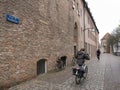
[(12, 18)]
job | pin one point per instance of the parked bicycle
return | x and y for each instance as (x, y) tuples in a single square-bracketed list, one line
[(74, 61), (61, 62)]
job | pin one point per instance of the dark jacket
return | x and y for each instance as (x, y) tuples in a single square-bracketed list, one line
[(81, 57), (98, 52)]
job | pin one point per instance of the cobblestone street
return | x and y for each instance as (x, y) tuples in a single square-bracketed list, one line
[(63, 80)]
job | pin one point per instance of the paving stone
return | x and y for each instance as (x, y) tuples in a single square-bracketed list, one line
[(64, 80)]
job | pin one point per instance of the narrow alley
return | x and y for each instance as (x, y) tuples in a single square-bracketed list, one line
[(102, 75)]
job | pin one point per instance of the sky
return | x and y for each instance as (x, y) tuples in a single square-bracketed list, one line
[(106, 14)]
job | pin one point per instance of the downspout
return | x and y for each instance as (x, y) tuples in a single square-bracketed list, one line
[(84, 6)]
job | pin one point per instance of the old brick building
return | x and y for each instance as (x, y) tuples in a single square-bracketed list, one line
[(105, 48), (46, 29)]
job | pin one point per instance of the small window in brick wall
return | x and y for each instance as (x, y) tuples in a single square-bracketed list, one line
[(64, 59), (41, 66)]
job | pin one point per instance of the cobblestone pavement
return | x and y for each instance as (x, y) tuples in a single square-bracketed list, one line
[(63, 80), (112, 73)]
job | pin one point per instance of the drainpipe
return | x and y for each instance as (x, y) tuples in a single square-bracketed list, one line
[(84, 7)]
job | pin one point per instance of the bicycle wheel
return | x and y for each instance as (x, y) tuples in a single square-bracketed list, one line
[(77, 79), (74, 61), (85, 73)]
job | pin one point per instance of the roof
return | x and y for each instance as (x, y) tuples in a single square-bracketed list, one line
[(88, 9), (106, 36)]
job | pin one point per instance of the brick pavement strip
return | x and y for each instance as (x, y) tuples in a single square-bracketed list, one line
[(64, 80)]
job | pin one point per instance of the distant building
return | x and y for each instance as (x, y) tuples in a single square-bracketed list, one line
[(105, 48), (91, 32), (116, 49)]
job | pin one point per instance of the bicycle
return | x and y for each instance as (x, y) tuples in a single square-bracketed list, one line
[(59, 64), (74, 61), (80, 72)]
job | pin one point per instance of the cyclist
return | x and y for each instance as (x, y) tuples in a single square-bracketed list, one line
[(98, 52), (81, 56)]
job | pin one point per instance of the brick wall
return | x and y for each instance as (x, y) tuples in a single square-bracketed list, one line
[(45, 31)]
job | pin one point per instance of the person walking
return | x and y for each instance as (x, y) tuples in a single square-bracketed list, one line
[(98, 52)]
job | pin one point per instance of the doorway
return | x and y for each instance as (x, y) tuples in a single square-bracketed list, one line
[(64, 60), (41, 66)]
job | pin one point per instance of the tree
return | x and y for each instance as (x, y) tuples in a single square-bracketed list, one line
[(117, 39), (114, 38)]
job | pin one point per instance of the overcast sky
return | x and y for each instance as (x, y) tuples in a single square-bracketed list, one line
[(106, 14)]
